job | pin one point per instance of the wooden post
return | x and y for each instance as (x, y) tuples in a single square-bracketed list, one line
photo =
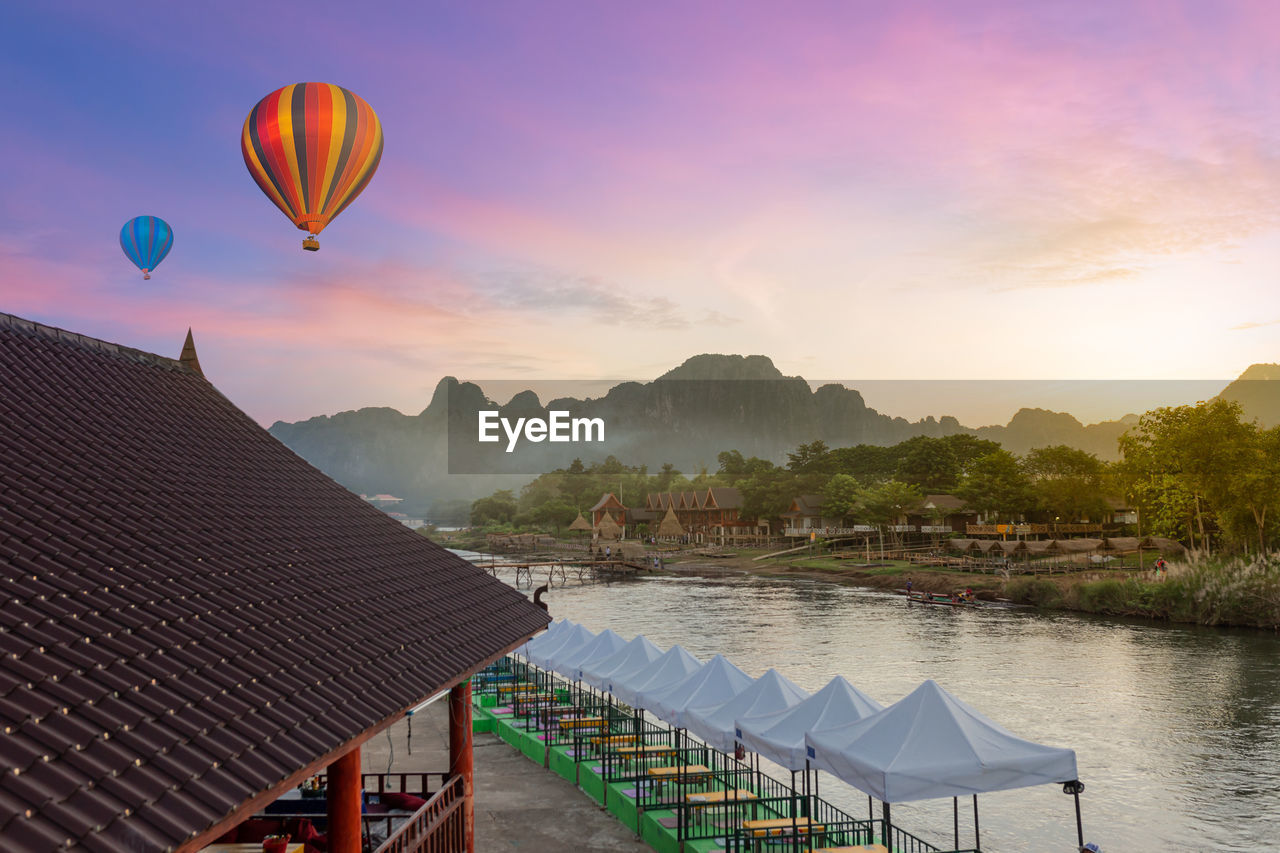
[(461, 760), (344, 803)]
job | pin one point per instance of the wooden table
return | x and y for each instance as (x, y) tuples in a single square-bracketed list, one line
[(582, 723), (856, 848), (706, 800), (691, 772), (648, 750), (610, 740), (762, 829), (780, 826)]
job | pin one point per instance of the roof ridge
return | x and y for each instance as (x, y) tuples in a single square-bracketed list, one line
[(31, 327)]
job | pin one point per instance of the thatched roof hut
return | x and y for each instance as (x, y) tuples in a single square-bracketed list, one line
[(1079, 546), (1011, 546), (1163, 545), (962, 545), (670, 526), (580, 523), (1120, 544), (608, 528)]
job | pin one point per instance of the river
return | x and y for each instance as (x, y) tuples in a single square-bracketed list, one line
[(1176, 729)]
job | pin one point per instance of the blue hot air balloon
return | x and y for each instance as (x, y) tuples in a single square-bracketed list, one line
[(146, 240)]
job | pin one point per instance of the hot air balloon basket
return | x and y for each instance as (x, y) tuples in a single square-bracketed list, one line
[(311, 244)]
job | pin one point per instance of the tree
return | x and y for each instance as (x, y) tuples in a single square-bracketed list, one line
[(808, 457), (928, 463), (868, 463), (1202, 451), (997, 486), (841, 496), (968, 449), (668, 473), (1068, 482), (499, 507), (887, 503), (732, 466)]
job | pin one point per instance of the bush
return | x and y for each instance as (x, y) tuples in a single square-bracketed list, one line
[(1034, 591), (1109, 596)]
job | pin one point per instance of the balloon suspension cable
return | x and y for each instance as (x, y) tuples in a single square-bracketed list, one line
[(311, 244)]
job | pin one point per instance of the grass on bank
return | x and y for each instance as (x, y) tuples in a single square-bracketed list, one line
[(1231, 591)]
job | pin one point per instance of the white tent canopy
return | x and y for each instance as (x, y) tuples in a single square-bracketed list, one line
[(574, 638), (675, 665), (930, 745), (569, 663), (553, 634), (636, 654), (768, 694), (779, 737), (714, 684)]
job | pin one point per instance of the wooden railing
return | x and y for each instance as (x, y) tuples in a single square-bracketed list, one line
[(438, 827)]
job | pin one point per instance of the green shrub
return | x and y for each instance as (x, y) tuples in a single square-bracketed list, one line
[(1034, 591)]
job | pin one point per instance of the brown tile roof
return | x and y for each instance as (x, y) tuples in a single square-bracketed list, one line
[(190, 614), (607, 501), (724, 497)]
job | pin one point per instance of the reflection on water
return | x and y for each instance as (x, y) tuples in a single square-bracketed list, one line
[(1175, 729)]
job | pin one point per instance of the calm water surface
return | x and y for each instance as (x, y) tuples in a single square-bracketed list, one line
[(1176, 730)]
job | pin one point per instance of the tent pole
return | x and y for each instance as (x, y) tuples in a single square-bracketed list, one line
[(888, 834), (1079, 825), (795, 836), (955, 809), (977, 839)]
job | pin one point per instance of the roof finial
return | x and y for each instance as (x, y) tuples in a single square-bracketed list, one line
[(189, 358)]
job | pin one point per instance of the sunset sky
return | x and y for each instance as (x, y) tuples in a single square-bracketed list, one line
[(949, 190)]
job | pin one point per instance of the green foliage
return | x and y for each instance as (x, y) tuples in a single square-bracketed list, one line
[(886, 503), (1068, 483), (1203, 474), (928, 463), (811, 457), (500, 507), (842, 495), (1034, 591), (1105, 596), (997, 486)]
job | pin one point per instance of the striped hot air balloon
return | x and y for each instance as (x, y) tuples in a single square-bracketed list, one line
[(146, 240), (312, 147)]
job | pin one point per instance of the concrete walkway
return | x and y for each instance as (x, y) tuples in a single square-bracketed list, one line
[(519, 805)]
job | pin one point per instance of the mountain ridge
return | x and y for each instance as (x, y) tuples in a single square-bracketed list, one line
[(707, 404)]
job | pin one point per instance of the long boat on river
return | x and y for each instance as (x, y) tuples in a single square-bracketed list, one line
[(940, 598)]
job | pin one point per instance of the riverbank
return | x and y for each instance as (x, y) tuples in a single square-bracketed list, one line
[(1216, 592), (1228, 593)]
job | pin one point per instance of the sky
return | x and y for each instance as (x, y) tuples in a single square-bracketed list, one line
[(1011, 190)]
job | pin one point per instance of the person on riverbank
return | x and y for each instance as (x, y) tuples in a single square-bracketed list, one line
[(908, 586)]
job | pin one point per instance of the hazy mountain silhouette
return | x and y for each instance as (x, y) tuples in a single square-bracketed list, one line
[(1258, 393), (687, 416)]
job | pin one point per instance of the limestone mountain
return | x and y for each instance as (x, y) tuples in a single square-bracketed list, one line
[(1258, 393), (687, 416)]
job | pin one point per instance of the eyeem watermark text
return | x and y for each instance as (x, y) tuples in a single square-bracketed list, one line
[(557, 427)]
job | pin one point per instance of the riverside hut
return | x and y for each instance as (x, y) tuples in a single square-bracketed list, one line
[(196, 620), (580, 524), (608, 528), (670, 527)]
